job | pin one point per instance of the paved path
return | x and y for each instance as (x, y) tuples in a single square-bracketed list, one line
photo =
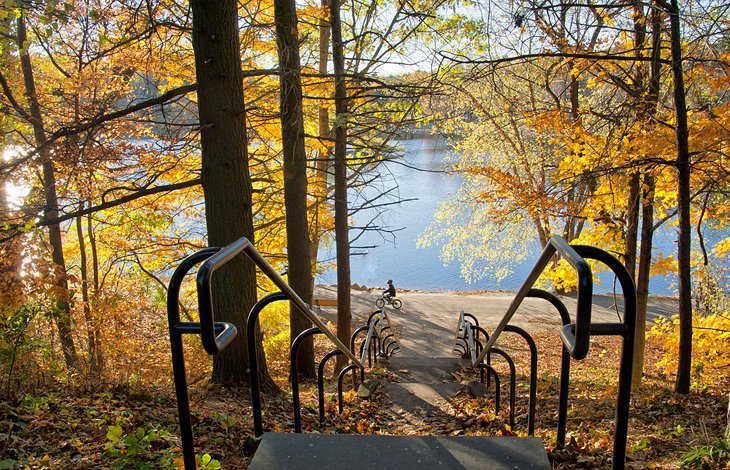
[(438, 311), (423, 371), (426, 326)]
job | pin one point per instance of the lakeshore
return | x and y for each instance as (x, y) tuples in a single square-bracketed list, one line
[(488, 306)]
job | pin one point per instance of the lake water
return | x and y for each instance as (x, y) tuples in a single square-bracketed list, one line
[(420, 176)]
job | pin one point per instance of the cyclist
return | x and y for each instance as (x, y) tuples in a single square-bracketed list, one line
[(389, 293)]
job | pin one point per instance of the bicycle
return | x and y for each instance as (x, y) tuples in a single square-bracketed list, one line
[(396, 303)]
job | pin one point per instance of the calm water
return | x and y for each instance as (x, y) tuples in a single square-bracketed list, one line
[(397, 257)]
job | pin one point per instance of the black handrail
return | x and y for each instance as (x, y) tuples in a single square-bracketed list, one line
[(576, 336), (627, 330), (177, 329), (243, 245), (580, 336)]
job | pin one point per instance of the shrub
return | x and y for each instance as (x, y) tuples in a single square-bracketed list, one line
[(710, 348)]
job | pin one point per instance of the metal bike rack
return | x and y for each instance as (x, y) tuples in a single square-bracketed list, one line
[(216, 336), (320, 381), (294, 371), (376, 342), (576, 335), (340, 378), (468, 334), (464, 349)]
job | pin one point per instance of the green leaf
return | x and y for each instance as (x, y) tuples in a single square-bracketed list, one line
[(114, 433), (130, 440), (8, 463)]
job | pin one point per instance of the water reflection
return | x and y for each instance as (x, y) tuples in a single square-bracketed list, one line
[(423, 176)]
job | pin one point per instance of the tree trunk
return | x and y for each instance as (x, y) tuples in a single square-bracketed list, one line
[(91, 327), (642, 282), (684, 363), (295, 176), (63, 315), (632, 222), (322, 159), (647, 212), (342, 230), (225, 178), (95, 286)]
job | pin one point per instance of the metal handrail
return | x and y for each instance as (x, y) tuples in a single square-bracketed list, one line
[(177, 329), (579, 339), (384, 315), (576, 336), (366, 345), (465, 333), (211, 343)]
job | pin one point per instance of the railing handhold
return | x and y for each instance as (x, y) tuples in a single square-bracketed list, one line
[(576, 335), (579, 346)]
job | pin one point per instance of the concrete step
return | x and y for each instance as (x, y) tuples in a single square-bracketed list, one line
[(425, 369), (353, 452)]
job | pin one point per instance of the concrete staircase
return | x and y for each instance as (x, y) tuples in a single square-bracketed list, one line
[(354, 452), (419, 394)]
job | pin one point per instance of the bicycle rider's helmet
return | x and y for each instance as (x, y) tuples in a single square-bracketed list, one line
[(390, 281)]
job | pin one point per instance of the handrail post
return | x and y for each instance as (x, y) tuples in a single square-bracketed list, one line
[(623, 401), (178, 356)]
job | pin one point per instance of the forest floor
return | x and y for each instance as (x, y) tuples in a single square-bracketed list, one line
[(136, 427)]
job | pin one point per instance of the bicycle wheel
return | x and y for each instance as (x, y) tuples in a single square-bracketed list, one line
[(380, 303), (397, 303)]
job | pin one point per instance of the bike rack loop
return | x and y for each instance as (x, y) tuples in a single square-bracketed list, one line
[(388, 352), (353, 338), (320, 381), (254, 373), (533, 375), (369, 351), (564, 363), (382, 337), (294, 371), (512, 383), (354, 335), (469, 315), (340, 378)]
